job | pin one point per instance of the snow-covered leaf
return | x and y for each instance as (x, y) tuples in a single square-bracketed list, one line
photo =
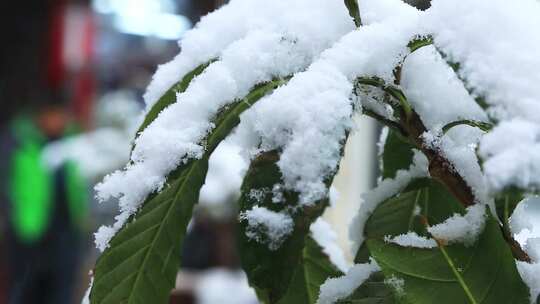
[(142, 259), (310, 273), (398, 214), (483, 272), (170, 96), (290, 268)]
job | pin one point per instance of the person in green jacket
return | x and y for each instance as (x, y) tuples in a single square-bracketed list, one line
[(45, 210)]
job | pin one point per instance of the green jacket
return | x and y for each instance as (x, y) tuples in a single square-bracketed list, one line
[(31, 189)]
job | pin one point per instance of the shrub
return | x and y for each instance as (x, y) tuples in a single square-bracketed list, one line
[(457, 87)]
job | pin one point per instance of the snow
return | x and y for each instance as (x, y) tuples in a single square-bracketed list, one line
[(277, 193), (435, 92), (286, 119), (257, 195), (397, 284), (224, 286), (499, 62), (235, 20), (308, 118), (384, 190), (326, 237), (533, 248), (256, 42), (378, 11), (411, 239), (530, 273), (104, 235), (86, 297), (417, 210), (439, 97), (297, 119), (334, 289), (511, 153), (458, 146), (488, 52), (267, 227), (461, 228), (524, 223)]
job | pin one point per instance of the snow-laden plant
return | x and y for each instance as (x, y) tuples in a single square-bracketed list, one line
[(458, 88)]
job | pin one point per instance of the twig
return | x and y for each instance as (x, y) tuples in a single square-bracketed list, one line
[(442, 170)]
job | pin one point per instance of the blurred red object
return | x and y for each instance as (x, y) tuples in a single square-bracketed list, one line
[(71, 56)]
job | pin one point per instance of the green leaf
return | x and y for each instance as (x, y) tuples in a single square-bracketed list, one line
[(310, 273), (274, 273), (354, 11), (484, 126), (397, 154), (482, 273), (362, 255), (170, 96), (397, 215), (419, 42), (141, 263)]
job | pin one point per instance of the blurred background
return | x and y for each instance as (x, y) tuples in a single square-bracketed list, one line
[(72, 76)]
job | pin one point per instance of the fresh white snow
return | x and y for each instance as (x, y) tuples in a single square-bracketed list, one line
[(461, 228), (530, 274), (308, 118), (384, 190), (256, 42), (512, 153), (338, 288), (267, 226), (396, 283), (499, 61), (411, 239), (525, 226), (435, 92)]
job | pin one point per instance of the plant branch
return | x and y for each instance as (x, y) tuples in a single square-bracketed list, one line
[(442, 170)]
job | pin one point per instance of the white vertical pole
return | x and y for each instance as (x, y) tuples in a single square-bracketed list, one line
[(356, 175)]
